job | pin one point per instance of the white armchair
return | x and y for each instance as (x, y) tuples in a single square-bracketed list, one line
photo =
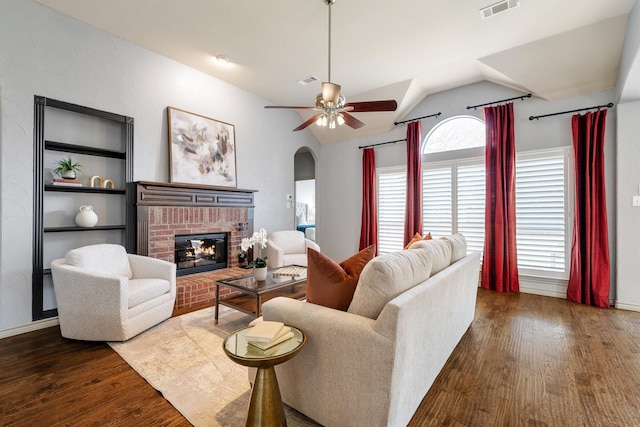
[(288, 247), (105, 294)]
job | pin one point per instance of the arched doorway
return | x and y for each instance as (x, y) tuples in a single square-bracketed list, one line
[(305, 197)]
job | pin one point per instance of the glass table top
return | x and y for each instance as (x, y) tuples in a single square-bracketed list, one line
[(236, 345)]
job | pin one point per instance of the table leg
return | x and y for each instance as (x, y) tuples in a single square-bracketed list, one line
[(215, 319), (266, 408)]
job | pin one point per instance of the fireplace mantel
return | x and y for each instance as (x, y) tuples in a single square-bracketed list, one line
[(187, 195)]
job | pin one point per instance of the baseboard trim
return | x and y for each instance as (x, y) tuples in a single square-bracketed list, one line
[(30, 327), (627, 306)]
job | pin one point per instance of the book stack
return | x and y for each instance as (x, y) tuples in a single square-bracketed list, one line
[(266, 334), (67, 182)]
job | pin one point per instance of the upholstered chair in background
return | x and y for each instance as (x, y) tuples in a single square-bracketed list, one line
[(288, 247), (105, 294)]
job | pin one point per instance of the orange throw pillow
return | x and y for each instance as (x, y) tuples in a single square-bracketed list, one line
[(418, 237), (331, 284)]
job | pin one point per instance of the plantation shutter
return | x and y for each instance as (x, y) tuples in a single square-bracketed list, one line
[(437, 209), (391, 201), (541, 213), (470, 194)]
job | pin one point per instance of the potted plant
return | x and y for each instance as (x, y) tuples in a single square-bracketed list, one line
[(67, 169), (259, 265)]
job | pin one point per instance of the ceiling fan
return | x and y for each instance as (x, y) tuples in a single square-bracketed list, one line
[(332, 107)]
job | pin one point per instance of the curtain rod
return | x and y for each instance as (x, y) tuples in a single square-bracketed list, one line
[(609, 105), (382, 143), (417, 118), (497, 102)]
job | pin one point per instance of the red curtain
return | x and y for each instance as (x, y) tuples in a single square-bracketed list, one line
[(369, 224), (590, 266), (500, 260), (413, 206)]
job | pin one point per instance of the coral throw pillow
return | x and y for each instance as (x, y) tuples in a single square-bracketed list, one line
[(417, 238), (331, 284)]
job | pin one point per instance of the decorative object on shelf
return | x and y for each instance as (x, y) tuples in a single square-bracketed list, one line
[(259, 238), (68, 169), (64, 182), (86, 217), (201, 150), (101, 182)]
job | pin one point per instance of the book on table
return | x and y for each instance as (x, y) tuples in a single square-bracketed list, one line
[(265, 331), (285, 334)]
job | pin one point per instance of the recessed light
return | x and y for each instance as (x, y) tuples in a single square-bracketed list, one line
[(223, 59)]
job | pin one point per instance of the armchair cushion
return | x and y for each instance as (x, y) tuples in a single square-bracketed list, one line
[(143, 290), (104, 259), (288, 247), (331, 284)]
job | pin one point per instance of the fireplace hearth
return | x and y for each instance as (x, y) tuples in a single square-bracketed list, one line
[(195, 253)]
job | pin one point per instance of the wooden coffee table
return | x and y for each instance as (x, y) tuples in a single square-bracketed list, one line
[(254, 293)]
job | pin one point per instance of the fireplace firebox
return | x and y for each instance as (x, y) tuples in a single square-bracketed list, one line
[(195, 253)]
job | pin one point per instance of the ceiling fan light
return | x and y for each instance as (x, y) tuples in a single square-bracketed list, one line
[(322, 121), (340, 119), (330, 93)]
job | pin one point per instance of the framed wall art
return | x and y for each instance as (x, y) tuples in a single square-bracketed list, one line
[(201, 150)]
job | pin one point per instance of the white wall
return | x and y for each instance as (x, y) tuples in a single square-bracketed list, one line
[(340, 198), (46, 53)]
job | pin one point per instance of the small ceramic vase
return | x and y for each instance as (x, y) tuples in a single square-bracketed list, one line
[(86, 217), (260, 273)]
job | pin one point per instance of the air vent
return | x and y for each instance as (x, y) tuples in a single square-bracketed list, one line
[(496, 8), (308, 80)]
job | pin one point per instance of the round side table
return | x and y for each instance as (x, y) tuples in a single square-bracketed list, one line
[(266, 408)]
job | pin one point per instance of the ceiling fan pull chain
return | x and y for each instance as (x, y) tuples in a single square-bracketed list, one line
[(329, 3)]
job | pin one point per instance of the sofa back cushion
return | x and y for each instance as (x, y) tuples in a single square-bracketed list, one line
[(439, 250), (105, 259), (387, 276), (331, 284), (458, 246)]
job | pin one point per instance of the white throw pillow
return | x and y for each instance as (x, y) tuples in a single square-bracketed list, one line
[(387, 276)]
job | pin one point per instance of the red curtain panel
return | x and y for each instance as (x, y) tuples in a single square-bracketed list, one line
[(589, 276), (369, 224), (413, 206), (500, 260)]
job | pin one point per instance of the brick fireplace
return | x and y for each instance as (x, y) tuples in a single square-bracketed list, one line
[(166, 210)]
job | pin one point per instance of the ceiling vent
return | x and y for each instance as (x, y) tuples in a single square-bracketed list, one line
[(499, 7), (308, 80)]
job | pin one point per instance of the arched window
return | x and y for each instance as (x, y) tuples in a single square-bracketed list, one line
[(456, 133)]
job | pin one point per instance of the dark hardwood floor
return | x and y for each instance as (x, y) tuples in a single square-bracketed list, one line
[(526, 361)]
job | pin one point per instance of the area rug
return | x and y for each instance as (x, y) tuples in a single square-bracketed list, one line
[(183, 359)]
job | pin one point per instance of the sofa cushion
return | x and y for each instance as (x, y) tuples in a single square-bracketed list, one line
[(386, 277), (458, 246), (331, 284), (439, 250), (417, 237), (143, 290), (104, 259)]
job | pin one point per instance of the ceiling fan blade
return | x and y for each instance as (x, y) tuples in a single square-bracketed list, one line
[(291, 107), (371, 106), (351, 121), (308, 122)]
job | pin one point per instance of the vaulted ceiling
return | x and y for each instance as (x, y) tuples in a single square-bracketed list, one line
[(401, 49)]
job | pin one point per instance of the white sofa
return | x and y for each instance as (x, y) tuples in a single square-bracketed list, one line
[(288, 247), (105, 294), (372, 365)]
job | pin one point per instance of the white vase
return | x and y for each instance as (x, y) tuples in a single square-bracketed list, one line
[(86, 217), (260, 273)]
